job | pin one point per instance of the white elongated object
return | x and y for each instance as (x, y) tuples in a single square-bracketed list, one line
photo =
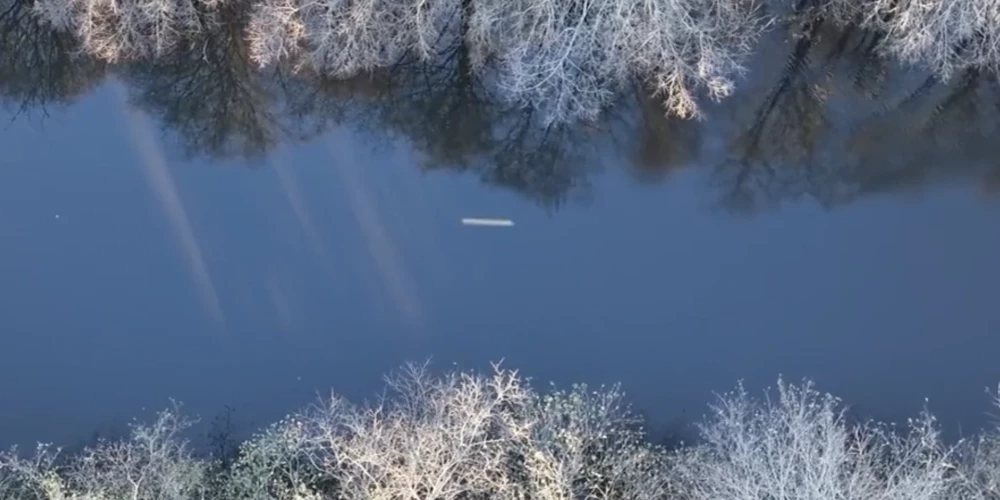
[(472, 221)]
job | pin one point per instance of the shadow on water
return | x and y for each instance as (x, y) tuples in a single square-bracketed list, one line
[(822, 115)]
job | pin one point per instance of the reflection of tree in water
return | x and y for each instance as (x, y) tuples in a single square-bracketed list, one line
[(935, 132), (664, 144), (840, 122), (778, 156), (39, 66), (453, 124), (208, 93), (442, 110), (834, 122)]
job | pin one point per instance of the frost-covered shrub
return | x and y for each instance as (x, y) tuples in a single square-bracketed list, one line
[(442, 438), (977, 469), (585, 444), (274, 465), (800, 447), (456, 436), (976, 466), (462, 436), (154, 463)]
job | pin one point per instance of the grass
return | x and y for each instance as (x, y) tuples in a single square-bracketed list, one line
[(462, 435)]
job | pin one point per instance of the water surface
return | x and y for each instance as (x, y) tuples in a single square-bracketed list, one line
[(218, 238)]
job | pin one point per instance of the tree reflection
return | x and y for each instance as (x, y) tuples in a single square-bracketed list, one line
[(937, 132), (839, 122), (442, 109), (664, 143), (822, 116), (776, 157), (209, 93), (40, 67), (454, 124)]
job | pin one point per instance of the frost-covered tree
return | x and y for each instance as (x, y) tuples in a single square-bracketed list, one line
[(945, 36), (569, 58), (342, 38), (116, 30), (572, 58)]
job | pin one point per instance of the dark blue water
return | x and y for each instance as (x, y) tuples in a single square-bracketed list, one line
[(133, 271)]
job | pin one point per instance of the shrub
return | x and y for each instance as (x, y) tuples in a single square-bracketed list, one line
[(800, 447), (153, 464), (977, 472), (452, 437), (274, 465), (977, 466)]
